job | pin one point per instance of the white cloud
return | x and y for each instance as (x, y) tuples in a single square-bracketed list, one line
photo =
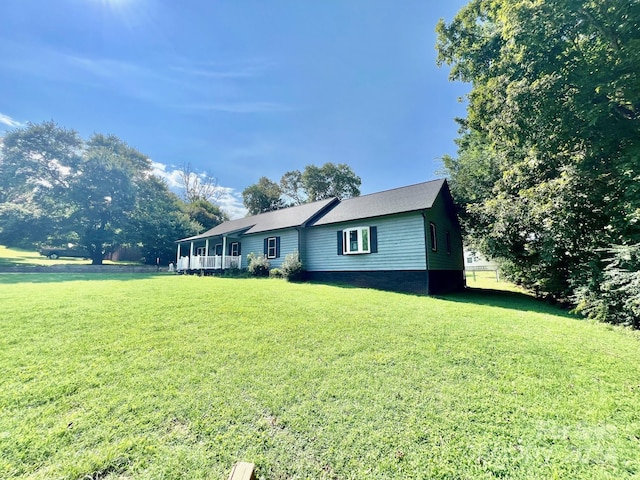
[(230, 200), (172, 177), (10, 122)]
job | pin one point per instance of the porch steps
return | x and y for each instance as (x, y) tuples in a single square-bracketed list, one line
[(243, 471)]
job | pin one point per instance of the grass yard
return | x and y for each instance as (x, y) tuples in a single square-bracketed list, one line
[(153, 377)]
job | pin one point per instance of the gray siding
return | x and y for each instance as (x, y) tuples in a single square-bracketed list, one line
[(440, 259), (400, 246), (255, 243)]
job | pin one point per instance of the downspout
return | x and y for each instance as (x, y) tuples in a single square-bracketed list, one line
[(426, 245)]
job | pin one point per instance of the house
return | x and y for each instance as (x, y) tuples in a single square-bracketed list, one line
[(473, 260), (406, 239)]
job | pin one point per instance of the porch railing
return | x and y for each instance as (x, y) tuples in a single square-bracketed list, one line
[(208, 262)]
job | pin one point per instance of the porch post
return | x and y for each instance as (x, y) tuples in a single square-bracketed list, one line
[(224, 249), (206, 247), (191, 256), (178, 255)]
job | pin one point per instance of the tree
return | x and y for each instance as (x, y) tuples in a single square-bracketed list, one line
[(205, 214), (262, 197), (160, 218), (36, 165), (330, 181), (198, 186), (292, 187), (102, 194), (556, 99)]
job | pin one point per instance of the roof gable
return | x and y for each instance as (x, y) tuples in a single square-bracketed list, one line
[(398, 200)]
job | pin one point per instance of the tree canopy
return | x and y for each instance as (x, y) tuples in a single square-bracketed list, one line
[(100, 194), (262, 197), (297, 187), (549, 157)]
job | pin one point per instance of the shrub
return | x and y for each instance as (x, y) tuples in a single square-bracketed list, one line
[(617, 297), (275, 273), (292, 267), (258, 265)]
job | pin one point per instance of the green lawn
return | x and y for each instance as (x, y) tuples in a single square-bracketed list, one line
[(121, 377)]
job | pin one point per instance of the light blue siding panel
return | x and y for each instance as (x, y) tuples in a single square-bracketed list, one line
[(255, 244), (400, 246)]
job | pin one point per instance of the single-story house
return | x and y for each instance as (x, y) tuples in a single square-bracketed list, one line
[(406, 239)]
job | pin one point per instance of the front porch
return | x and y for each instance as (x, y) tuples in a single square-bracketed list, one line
[(208, 262), (209, 254)]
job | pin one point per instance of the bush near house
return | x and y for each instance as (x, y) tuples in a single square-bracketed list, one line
[(292, 267), (258, 265)]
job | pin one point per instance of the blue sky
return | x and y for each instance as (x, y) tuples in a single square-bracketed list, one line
[(240, 88)]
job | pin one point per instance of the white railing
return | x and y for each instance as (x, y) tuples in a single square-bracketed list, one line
[(206, 262)]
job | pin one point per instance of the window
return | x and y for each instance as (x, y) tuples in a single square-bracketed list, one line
[(218, 249), (356, 240), (235, 249), (448, 243), (272, 247), (434, 237), (200, 251)]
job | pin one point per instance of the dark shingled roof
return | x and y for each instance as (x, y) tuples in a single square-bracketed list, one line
[(399, 200), (285, 218)]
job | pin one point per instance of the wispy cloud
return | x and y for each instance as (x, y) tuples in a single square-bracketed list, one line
[(240, 107), (184, 85), (10, 122), (230, 200)]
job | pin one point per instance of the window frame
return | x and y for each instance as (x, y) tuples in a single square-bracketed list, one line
[(433, 234), (359, 231), (201, 251), (237, 249), (270, 247)]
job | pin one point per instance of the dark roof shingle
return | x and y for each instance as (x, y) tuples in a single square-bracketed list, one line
[(264, 222), (399, 200)]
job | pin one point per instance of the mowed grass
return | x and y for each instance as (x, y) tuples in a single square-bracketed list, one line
[(180, 377)]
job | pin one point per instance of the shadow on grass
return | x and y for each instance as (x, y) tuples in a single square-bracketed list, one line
[(483, 296), (507, 299)]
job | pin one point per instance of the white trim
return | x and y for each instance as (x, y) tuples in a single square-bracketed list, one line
[(362, 234), (275, 247)]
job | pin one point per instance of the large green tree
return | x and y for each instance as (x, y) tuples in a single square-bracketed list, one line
[(262, 197), (555, 99), (319, 183), (36, 165), (102, 194)]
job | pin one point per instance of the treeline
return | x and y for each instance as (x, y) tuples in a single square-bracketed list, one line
[(100, 194), (548, 164)]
